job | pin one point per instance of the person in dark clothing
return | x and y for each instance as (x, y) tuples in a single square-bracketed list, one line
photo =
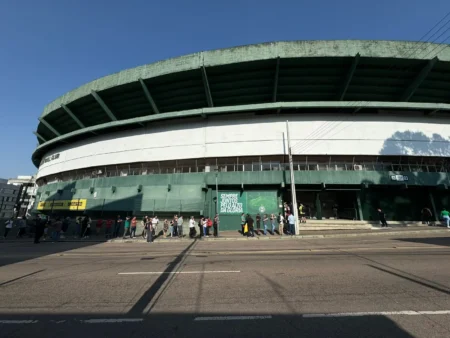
[(258, 224), (216, 225), (200, 227), (426, 215), (250, 223), (117, 226), (39, 229), (382, 217), (85, 227)]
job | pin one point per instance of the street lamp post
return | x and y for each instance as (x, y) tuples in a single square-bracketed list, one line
[(217, 201), (293, 191)]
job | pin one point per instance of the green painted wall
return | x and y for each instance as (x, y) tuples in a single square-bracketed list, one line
[(195, 193)]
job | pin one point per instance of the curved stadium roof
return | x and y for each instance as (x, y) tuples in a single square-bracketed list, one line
[(299, 76)]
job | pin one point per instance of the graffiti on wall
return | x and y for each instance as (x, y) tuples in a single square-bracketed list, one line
[(231, 203)]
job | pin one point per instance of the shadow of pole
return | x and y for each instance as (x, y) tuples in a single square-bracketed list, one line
[(160, 284)]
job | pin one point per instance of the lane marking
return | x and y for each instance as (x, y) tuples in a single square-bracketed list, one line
[(378, 313), (24, 321), (232, 318), (174, 272), (112, 320)]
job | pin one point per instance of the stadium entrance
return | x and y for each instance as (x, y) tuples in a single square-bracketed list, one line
[(327, 204)]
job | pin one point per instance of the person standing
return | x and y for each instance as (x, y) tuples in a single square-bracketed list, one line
[(258, 224), (291, 220), (205, 226), (200, 227), (84, 224), (192, 227), (22, 226), (108, 229), (209, 225), (280, 223), (335, 211), (65, 226), (175, 225), (266, 223), (39, 229), (382, 217), (171, 226), (155, 222), (250, 224), (117, 226), (273, 220), (48, 223), (126, 226), (426, 215), (180, 226), (165, 227), (445, 215), (8, 226), (302, 213), (144, 223), (133, 227), (57, 226), (77, 232), (98, 226), (242, 223), (216, 223)]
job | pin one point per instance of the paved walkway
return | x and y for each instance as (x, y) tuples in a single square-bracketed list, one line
[(236, 236)]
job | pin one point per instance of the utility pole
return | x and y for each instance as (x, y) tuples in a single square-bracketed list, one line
[(217, 202), (293, 191)]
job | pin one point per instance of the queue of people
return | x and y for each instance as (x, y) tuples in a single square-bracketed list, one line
[(272, 224)]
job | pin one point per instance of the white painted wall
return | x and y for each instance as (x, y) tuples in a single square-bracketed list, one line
[(260, 135)]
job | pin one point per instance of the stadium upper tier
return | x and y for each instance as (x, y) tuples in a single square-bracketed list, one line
[(299, 76)]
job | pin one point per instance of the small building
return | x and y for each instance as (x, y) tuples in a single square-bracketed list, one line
[(8, 198), (26, 194)]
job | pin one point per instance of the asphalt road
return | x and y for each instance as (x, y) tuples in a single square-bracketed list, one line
[(353, 287)]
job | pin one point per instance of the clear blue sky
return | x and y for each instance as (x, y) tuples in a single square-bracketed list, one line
[(49, 47)]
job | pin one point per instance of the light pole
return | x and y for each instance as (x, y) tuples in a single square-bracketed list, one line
[(291, 169), (217, 201)]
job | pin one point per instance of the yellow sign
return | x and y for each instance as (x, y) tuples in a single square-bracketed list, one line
[(79, 204)]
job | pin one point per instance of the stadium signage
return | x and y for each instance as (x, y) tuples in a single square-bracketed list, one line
[(79, 204), (50, 158), (399, 178)]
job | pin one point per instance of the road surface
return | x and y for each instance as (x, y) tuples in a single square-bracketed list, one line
[(349, 287)]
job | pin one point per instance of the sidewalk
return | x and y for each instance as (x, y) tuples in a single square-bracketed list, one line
[(236, 236)]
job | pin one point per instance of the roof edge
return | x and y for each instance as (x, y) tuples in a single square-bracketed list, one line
[(262, 51)]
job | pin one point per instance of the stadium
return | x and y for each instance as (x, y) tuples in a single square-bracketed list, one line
[(206, 132)]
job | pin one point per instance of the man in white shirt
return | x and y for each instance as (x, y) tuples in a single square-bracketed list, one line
[(8, 226), (192, 227), (291, 220), (280, 223), (155, 222)]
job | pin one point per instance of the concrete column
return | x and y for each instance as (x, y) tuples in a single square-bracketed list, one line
[(358, 201), (433, 207)]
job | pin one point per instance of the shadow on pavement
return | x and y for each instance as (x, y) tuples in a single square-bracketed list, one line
[(412, 278), (18, 251), (152, 292), (441, 241), (189, 325)]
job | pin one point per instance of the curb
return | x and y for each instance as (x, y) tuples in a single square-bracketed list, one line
[(376, 232), (286, 237)]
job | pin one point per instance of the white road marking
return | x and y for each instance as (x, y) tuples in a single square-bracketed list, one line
[(18, 321), (232, 318), (112, 320), (380, 313), (173, 272)]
